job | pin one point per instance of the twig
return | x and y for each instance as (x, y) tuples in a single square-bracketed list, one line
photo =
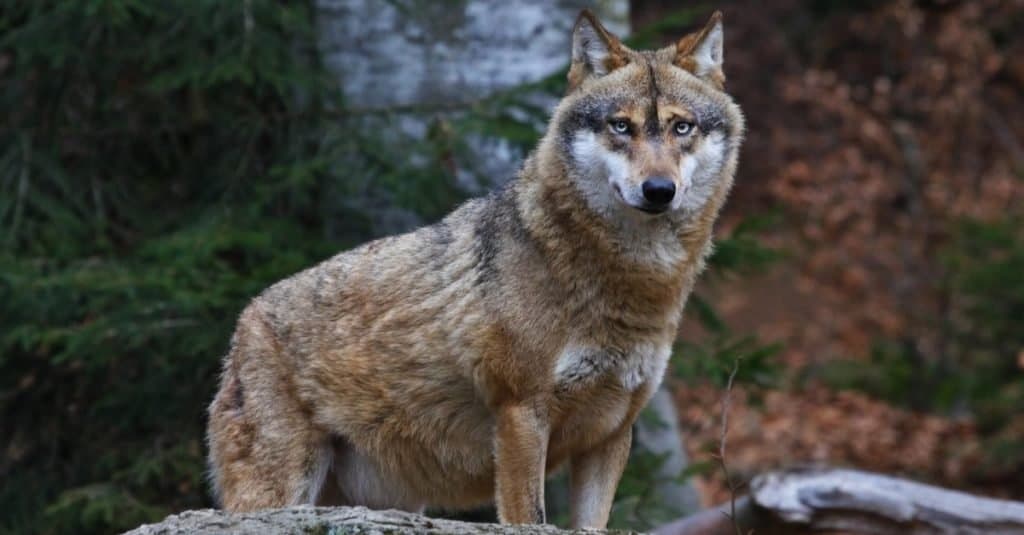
[(726, 402)]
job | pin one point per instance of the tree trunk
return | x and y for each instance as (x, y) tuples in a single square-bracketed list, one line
[(664, 438)]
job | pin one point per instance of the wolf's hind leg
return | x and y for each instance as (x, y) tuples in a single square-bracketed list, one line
[(264, 450)]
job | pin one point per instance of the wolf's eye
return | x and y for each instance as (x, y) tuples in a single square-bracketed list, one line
[(619, 126), (682, 128)]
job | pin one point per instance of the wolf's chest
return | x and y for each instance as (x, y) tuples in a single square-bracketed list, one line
[(580, 365)]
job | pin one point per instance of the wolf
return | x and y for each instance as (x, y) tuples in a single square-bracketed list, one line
[(461, 363)]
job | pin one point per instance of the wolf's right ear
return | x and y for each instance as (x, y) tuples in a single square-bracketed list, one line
[(701, 52), (595, 51)]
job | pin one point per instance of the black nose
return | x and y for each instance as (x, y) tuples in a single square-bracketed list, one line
[(658, 190)]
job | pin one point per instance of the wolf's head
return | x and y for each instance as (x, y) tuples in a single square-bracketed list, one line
[(647, 134)]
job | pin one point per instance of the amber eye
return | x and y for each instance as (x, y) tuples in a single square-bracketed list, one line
[(619, 126), (682, 128)]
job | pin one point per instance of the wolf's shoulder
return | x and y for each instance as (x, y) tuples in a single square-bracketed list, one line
[(374, 254)]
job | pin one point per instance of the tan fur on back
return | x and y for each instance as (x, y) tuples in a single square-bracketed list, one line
[(456, 364)]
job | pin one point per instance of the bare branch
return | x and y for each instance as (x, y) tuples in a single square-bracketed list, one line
[(726, 403)]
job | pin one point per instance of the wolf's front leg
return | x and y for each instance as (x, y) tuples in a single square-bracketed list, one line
[(594, 477), (520, 452)]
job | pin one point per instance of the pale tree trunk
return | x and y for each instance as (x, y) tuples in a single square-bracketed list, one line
[(405, 66), (664, 438)]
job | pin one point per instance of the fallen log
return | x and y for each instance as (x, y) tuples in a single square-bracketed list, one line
[(818, 500)]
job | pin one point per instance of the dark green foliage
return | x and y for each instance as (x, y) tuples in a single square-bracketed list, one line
[(986, 263), (741, 253), (638, 505), (983, 368), (888, 374), (983, 330), (737, 254)]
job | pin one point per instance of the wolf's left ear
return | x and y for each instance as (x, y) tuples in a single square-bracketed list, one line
[(595, 51), (701, 52)]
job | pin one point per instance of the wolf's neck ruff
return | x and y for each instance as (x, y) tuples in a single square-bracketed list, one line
[(565, 221)]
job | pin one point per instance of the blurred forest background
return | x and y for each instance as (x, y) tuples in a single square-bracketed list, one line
[(161, 163)]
